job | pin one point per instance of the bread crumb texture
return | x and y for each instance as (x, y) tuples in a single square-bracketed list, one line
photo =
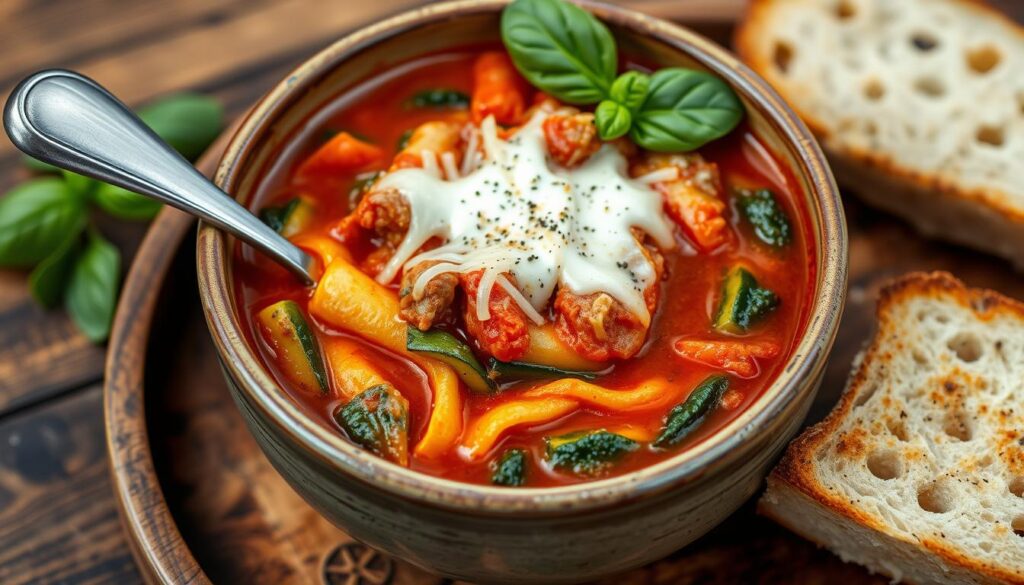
[(932, 90), (919, 471)]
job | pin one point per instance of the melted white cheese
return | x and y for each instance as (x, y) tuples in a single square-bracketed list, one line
[(516, 211)]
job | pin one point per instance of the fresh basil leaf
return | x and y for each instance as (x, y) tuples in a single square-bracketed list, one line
[(37, 165), (124, 204), (48, 280), (612, 120), (92, 290), (684, 110), (35, 218), (82, 186), (561, 49), (440, 99), (630, 89), (188, 122)]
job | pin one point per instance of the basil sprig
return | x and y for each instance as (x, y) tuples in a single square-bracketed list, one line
[(42, 221), (567, 52)]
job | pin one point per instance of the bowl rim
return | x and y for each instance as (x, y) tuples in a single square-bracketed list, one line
[(796, 380)]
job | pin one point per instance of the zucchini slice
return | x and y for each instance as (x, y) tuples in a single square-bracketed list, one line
[(743, 302), (440, 99), (298, 352), (378, 421), (290, 218), (510, 469), (508, 371), (588, 452), (445, 347), (763, 212), (686, 417)]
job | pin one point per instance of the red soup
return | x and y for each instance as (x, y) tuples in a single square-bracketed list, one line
[(506, 299)]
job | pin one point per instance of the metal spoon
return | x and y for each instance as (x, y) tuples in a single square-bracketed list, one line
[(71, 122)]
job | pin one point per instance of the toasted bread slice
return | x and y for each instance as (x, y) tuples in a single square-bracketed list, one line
[(918, 473), (918, 103)]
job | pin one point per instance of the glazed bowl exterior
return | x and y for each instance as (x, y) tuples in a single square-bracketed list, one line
[(494, 535)]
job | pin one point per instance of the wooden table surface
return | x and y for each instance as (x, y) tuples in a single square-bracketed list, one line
[(57, 515)]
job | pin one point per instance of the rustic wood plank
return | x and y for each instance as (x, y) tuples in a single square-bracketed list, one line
[(58, 521)]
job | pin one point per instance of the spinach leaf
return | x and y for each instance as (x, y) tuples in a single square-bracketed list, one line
[(188, 122), (92, 290), (440, 99), (588, 452), (124, 204), (612, 120), (35, 218), (686, 417), (47, 280), (684, 110), (561, 49)]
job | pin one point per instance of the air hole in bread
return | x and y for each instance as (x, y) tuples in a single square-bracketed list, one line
[(782, 56), (935, 497), (985, 461), (983, 59), (897, 428), (866, 395), (923, 41), (885, 464), (991, 135), (874, 90), (966, 346), (845, 10), (930, 87), (1016, 486), (958, 426), (985, 546), (1017, 524), (919, 357), (1020, 102)]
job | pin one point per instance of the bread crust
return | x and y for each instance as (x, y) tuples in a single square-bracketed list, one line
[(947, 195), (796, 469)]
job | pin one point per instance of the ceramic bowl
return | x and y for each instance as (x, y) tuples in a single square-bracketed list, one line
[(493, 535)]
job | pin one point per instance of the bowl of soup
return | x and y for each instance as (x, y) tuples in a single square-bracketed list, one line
[(541, 347)]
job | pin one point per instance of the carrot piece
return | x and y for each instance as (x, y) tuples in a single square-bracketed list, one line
[(342, 153), (498, 90), (738, 357)]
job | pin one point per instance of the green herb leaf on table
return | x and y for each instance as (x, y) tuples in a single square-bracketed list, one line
[(684, 110), (612, 120), (82, 186), (124, 204), (92, 289), (47, 281), (35, 218), (561, 49), (188, 122), (34, 164)]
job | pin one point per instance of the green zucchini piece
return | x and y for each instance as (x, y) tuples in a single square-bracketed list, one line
[(445, 347), (290, 218), (765, 215), (510, 469), (508, 371), (295, 345), (688, 415), (363, 183), (588, 452), (378, 421), (440, 99), (743, 302)]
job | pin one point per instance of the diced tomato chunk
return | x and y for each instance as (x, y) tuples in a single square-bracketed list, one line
[(343, 153), (738, 357), (498, 90), (571, 138), (505, 335)]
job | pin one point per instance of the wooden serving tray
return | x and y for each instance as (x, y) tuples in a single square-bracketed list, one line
[(201, 504)]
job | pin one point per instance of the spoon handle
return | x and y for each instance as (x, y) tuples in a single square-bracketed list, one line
[(70, 121)]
